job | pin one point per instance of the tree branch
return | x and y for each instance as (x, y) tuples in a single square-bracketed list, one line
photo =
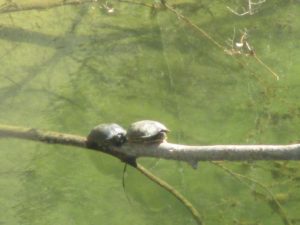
[(78, 141), (51, 137), (190, 154), (193, 154)]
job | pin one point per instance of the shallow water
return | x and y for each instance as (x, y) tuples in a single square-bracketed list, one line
[(70, 68)]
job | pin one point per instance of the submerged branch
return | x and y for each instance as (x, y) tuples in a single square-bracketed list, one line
[(173, 191), (277, 207), (194, 26), (12, 6)]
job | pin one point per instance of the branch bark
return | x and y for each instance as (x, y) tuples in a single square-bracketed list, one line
[(193, 154), (189, 154)]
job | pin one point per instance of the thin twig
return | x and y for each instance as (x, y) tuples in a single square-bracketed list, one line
[(14, 7), (239, 177), (173, 191), (266, 66), (194, 26), (209, 37), (250, 10)]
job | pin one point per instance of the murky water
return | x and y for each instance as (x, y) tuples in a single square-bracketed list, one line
[(69, 68)]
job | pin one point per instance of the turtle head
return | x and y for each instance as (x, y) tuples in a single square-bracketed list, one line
[(161, 135), (119, 139)]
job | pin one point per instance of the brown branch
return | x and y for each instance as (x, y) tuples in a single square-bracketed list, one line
[(42, 136), (51, 137)]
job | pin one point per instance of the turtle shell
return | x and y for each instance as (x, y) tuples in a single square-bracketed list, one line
[(147, 131), (106, 135)]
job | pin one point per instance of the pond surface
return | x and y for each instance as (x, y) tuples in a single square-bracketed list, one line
[(71, 67)]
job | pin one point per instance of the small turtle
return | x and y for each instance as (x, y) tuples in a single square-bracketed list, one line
[(105, 135), (147, 131)]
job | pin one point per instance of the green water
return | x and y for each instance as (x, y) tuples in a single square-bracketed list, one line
[(70, 68)]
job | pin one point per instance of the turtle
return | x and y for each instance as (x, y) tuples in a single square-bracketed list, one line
[(105, 135), (147, 132)]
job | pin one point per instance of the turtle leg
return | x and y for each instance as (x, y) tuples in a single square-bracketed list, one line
[(119, 140), (91, 144), (130, 160)]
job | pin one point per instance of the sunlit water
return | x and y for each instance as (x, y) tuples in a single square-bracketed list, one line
[(69, 68)]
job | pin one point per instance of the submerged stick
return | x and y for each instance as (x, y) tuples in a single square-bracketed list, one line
[(174, 192)]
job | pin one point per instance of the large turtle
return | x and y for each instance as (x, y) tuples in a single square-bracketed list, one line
[(105, 135), (147, 132)]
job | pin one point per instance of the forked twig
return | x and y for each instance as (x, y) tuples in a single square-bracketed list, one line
[(250, 10), (241, 177)]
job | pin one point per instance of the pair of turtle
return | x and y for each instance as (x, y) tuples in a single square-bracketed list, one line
[(141, 132)]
